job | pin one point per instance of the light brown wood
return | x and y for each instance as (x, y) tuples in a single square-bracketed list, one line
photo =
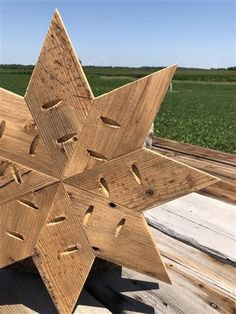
[(98, 141), (108, 226), (216, 163), (119, 121), (17, 180), (62, 254), (141, 179), (21, 222), (58, 94), (19, 133)]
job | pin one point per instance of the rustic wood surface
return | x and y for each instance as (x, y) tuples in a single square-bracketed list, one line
[(203, 280), (219, 164)]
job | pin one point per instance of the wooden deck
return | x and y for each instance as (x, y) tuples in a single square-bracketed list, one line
[(196, 235)]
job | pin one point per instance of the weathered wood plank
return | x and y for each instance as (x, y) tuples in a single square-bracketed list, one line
[(62, 254), (58, 94), (200, 221), (217, 163), (19, 140), (194, 150), (141, 179), (119, 121)]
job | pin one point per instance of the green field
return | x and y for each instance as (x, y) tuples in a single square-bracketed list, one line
[(201, 109)]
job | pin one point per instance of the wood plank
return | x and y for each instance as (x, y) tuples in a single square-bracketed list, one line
[(220, 164), (19, 140), (24, 293), (21, 222), (119, 121), (62, 254), (58, 94), (141, 179), (114, 232), (193, 150), (200, 221), (17, 180)]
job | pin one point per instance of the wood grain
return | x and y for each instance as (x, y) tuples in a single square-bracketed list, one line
[(109, 226), (21, 222), (119, 121), (17, 180), (58, 94), (62, 254), (19, 133), (141, 179)]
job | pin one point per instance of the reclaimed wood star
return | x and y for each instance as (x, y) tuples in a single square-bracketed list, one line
[(74, 177)]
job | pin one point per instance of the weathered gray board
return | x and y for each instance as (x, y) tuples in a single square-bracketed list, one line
[(196, 235)]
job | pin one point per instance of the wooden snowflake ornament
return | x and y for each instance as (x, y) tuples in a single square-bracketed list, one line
[(75, 187)]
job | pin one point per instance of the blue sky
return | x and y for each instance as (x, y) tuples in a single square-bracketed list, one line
[(125, 33)]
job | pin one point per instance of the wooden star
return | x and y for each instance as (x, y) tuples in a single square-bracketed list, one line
[(75, 187)]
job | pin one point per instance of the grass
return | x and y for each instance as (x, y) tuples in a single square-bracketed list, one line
[(201, 110)]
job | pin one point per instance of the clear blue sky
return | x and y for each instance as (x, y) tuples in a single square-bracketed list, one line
[(125, 33)]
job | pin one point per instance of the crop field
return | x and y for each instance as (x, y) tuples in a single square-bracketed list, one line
[(200, 110)]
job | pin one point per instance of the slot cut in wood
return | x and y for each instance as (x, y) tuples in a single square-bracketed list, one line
[(34, 145), (2, 127), (104, 186), (96, 155), (51, 104), (67, 138), (3, 167), (27, 203), (15, 235), (111, 123), (70, 250), (136, 174), (16, 174), (88, 214), (56, 220), (119, 227)]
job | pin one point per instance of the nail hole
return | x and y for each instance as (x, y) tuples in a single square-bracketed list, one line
[(16, 174), (68, 137), (96, 155), (27, 203), (88, 214), (56, 220), (95, 248), (34, 145), (105, 187), (119, 227), (136, 174), (15, 235), (70, 250), (2, 127), (110, 122), (3, 167), (113, 205), (52, 104)]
